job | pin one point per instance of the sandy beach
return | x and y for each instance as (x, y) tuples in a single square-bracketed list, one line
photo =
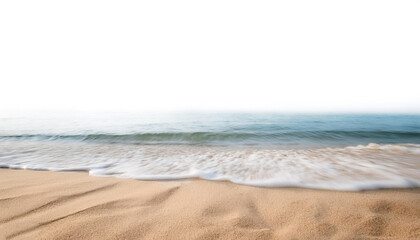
[(73, 205)]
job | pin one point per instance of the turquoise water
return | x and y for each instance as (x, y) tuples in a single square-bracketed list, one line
[(342, 151), (220, 129)]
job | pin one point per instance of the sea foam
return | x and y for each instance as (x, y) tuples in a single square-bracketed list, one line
[(339, 168)]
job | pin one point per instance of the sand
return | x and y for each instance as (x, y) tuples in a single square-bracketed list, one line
[(73, 205)]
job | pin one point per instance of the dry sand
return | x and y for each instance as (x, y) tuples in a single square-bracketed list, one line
[(73, 205)]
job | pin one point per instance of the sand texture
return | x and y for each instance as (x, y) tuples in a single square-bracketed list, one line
[(73, 205)]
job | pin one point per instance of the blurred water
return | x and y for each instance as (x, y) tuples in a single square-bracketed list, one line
[(347, 152)]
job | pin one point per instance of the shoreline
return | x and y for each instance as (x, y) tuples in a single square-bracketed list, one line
[(370, 186), (70, 204)]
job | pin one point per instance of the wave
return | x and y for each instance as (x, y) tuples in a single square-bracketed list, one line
[(339, 168), (229, 137), (352, 185)]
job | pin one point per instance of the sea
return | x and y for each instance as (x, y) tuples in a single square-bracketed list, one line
[(322, 151)]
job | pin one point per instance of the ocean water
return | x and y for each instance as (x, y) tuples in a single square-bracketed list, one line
[(342, 151)]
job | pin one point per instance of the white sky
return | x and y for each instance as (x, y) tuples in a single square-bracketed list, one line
[(292, 56)]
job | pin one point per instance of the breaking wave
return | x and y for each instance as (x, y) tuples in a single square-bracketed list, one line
[(339, 168)]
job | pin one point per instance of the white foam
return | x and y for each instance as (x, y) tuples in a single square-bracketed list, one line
[(348, 168)]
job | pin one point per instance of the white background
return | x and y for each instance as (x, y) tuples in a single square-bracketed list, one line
[(221, 55)]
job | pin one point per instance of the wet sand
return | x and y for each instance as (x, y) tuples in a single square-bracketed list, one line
[(73, 205)]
